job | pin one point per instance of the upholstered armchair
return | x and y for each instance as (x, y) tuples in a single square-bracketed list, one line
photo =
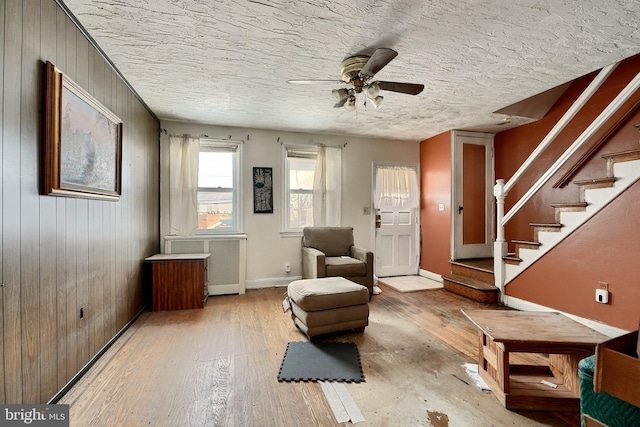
[(330, 252)]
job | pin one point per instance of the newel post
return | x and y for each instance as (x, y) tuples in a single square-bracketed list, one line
[(500, 246)]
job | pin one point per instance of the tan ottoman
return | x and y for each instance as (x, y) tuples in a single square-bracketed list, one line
[(330, 304)]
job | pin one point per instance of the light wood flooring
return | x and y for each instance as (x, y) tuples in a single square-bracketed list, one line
[(218, 367)]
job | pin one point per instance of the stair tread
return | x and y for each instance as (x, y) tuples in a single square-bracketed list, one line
[(481, 264), (624, 155), (512, 258), (468, 281), (596, 181), (526, 242), (554, 225), (570, 205)]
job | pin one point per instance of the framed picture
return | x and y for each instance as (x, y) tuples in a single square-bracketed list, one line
[(262, 190), (82, 143)]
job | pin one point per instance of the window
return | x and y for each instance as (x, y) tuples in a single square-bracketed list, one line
[(312, 190), (218, 187), (396, 186), (300, 167)]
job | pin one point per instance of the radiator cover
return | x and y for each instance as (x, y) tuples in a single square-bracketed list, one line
[(227, 263)]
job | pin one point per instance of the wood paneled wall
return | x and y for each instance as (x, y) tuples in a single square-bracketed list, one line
[(60, 255)]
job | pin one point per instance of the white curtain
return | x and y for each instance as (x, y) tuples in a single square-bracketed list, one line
[(327, 187), (183, 184), (396, 186)]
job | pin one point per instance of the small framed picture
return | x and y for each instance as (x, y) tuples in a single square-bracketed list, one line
[(262, 190)]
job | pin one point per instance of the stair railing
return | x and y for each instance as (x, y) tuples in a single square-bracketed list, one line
[(501, 188)]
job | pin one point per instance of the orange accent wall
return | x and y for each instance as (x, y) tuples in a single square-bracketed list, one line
[(435, 181), (605, 248)]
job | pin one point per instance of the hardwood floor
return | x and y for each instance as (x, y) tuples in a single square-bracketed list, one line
[(218, 366)]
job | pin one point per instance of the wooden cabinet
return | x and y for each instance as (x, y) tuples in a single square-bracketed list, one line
[(177, 281)]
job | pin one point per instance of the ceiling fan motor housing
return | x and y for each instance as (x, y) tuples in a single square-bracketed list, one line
[(350, 70)]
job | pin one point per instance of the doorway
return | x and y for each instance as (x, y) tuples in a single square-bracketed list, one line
[(396, 203), (472, 230)]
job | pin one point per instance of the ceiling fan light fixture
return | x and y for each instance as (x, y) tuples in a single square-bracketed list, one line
[(376, 101), (373, 90), (340, 94), (350, 105)]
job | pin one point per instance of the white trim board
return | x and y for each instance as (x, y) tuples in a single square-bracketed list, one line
[(342, 404), (272, 282), (430, 275)]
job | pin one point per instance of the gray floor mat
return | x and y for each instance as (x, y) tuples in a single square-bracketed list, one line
[(306, 361)]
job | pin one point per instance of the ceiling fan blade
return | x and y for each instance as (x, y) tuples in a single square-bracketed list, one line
[(310, 82), (408, 88), (378, 60)]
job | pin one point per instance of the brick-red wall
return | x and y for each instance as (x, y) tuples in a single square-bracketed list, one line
[(605, 248)]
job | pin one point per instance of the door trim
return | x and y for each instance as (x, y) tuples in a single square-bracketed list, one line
[(456, 189)]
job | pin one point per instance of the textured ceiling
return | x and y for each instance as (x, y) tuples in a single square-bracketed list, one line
[(226, 62)]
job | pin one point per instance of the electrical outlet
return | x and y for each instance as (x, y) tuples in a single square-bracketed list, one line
[(287, 268), (603, 285), (366, 210)]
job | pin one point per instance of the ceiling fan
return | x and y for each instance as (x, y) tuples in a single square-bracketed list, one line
[(357, 71)]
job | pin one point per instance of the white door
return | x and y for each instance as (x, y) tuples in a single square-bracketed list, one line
[(396, 242), (472, 198), (396, 227)]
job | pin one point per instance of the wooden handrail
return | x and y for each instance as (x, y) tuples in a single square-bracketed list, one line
[(564, 180)]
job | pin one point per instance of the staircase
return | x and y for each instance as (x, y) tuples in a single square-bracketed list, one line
[(623, 169), (473, 279)]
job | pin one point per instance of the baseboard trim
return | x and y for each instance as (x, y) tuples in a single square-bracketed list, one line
[(64, 390), (430, 275), (271, 282), (275, 282), (523, 305)]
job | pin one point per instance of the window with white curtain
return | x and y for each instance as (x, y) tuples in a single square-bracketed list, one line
[(312, 190), (396, 186), (219, 197)]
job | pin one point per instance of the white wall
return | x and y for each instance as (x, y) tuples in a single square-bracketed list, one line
[(267, 250)]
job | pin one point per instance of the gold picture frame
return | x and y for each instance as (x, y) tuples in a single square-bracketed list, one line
[(82, 142)]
